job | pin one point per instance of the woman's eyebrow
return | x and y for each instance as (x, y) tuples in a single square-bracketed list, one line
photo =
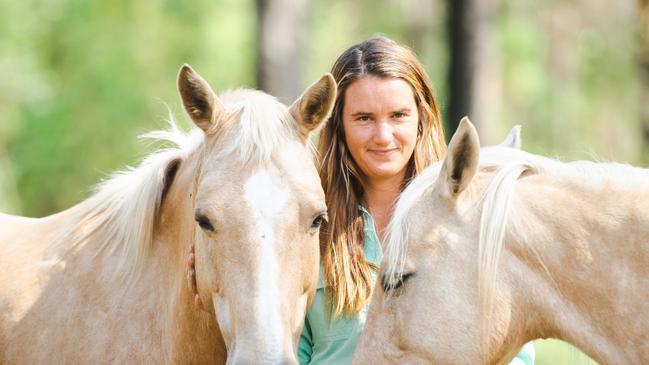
[(361, 114)]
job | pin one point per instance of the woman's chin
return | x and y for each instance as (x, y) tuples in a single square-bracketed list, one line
[(385, 173)]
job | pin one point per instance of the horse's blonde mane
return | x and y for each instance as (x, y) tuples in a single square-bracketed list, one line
[(121, 215), (508, 165)]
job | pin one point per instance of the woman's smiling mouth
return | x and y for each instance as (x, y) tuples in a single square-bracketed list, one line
[(383, 152)]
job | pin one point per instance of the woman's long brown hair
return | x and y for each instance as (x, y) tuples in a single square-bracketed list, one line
[(347, 275)]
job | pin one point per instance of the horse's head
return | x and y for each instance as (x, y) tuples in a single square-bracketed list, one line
[(258, 205), (426, 306)]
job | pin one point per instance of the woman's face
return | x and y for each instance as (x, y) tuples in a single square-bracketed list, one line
[(380, 120)]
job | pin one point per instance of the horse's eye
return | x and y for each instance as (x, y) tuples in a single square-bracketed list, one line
[(317, 221), (395, 282), (204, 222)]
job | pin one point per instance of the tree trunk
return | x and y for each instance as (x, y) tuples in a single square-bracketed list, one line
[(474, 67), (644, 63), (419, 24), (280, 43)]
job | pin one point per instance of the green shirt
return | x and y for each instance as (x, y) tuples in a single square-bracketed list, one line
[(333, 342)]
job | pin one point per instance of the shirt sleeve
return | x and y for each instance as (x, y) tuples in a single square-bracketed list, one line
[(525, 356), (305, 346)]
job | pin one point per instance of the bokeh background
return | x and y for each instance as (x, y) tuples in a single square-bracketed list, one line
[(80, 80)]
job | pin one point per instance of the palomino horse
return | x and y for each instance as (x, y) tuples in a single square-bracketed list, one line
[(492, 248), (104, 282)]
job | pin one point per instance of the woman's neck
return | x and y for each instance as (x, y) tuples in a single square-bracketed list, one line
[(380, 196)]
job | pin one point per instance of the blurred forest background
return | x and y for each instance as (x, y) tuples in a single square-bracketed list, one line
[(82, 79)]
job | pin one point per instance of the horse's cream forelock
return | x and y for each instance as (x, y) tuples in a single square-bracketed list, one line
[(261, 125)]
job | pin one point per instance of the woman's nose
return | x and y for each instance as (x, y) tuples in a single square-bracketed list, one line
[(383, 134)]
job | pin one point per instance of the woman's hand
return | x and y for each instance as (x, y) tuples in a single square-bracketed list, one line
[(190, 260)]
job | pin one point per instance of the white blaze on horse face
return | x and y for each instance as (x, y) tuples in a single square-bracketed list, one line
[(222, 310), (266, 201)]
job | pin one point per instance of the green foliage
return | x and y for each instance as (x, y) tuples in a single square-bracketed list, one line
[(554, 352), (571, 77), (83, 79)]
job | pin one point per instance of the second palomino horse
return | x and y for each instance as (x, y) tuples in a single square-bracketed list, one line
[(494, 247)]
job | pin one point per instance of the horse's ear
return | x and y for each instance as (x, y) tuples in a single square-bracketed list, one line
[(199, 100), (315, 105), (513, 139), (462, 157)]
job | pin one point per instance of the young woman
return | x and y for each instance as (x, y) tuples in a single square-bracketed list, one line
[(385, 128)]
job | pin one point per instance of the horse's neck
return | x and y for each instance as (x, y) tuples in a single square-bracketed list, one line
[(586, 244), (156, 299)]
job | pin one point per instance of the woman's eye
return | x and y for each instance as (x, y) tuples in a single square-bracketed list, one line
[(400, 115), (363, 118)]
